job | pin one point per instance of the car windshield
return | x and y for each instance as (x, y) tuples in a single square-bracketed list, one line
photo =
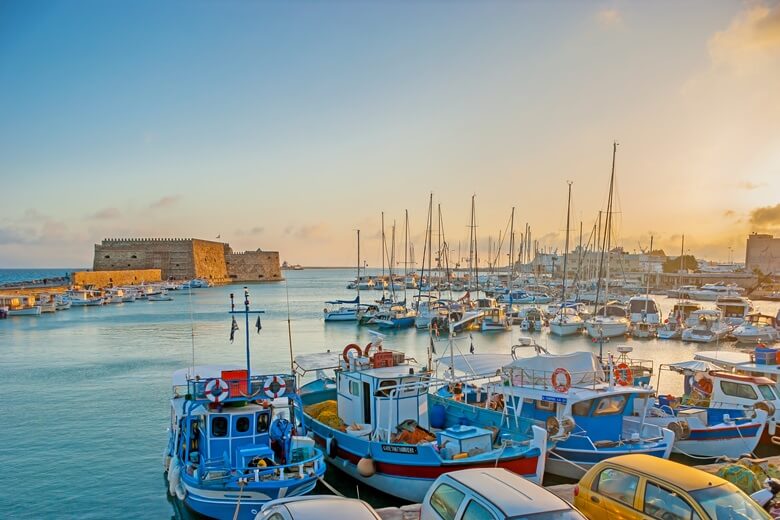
[(568, 514), (727, 502)]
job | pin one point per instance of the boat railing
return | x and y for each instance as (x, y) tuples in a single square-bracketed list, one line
[(239, 388), (558, 379), (217, 470)]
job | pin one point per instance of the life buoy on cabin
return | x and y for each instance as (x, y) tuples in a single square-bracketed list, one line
[(274, 387), (559, 386), (221, 395), (623, 375), (351, 346)]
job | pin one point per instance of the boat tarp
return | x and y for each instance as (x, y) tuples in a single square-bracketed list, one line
[(476, 364), (318, 361), (584, 367), (695, 365)]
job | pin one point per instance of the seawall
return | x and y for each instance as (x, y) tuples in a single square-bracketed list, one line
[(107, 278)]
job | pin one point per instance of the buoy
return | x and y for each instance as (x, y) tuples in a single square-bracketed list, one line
[(181, 492), (366, 466)]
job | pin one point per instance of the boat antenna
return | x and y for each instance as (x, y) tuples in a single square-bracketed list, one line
[(566, 249), (192, 326), (246, 312), (289, 327)]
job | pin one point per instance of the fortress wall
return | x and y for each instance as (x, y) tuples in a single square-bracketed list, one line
[(107, 278), (254, 266), (208, 259)]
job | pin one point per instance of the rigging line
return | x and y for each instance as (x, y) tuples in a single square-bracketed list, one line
[(289, 327), (192, 325)]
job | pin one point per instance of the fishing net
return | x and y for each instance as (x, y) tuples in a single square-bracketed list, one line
[(326, 412)]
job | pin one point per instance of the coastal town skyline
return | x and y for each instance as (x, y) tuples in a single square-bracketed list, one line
[(288, 126)]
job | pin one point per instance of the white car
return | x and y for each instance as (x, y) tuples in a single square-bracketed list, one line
[(492, 494), (316, 507)]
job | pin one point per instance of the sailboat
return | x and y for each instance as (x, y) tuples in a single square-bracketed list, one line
[(607, 322), (345, 310), (566, 320)]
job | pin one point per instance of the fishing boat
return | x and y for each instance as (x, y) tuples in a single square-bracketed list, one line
[(377, 422), (760, 390), (84, 298), (20, 305), (757, 328), (161, 296), (237, 439), (47, 302), (196, 283), (62, 302), (589, 415), (705, 326), (644, 315), (705, 422)]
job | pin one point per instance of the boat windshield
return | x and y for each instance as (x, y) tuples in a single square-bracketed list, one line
[(767, 392), (727, 502), (639, 306)]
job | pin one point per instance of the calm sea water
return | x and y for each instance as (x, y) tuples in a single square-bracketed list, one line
[(24, 275), (85, 391)]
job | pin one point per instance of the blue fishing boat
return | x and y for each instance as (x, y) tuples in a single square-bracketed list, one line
[(237, 439), (588, 414), (378, 421)]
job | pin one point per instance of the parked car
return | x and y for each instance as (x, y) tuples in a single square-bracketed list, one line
[(492, 494), (642, 487), (316, 507)]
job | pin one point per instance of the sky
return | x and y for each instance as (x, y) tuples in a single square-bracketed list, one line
[(288, 125)]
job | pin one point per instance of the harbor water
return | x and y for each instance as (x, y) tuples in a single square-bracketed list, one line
[(86, 391)]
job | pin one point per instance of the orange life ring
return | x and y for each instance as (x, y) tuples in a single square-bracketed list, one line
[(623, 375), (558, 386), (351, 346)]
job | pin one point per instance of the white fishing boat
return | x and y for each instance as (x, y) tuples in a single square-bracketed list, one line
[(161, 296), (46, 302), (757, 328), (706, 326), (20, 305), (84, 298), (62, 301)]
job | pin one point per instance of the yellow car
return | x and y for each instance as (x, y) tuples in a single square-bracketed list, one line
[(641, 487)]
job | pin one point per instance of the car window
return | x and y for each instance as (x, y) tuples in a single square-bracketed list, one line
[(446, 501), (617, 485), (476, 511), (610, 405), (727, 501), (665, 504)]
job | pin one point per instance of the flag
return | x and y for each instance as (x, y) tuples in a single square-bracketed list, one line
[(233, 329), (433, 348), (471, 348), (258, 325), (219, 236)]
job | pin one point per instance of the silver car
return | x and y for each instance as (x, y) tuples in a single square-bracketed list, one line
[(316, 507)]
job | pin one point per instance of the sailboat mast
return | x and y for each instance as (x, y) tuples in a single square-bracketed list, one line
[(384, 248), (406, 251), (608, 224), (647, 292), (358, 266), (511, 263), (566, 248)]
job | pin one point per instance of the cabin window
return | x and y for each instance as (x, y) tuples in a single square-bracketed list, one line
[(354, 388), (262, 422), (446, 501), (242, 424), (385, 387), (582, 408), (547, 406), (740, 390), (617, 485), (410, 386), (219, 427), (476, 511), (767, 392), (664, 504), (610, 405)]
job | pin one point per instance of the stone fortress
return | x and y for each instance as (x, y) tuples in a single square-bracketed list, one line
[(185, 258)]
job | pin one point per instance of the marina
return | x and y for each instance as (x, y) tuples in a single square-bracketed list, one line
[(129, 350)]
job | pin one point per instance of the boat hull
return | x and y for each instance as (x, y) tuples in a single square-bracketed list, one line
[(574, 464), (607, 329), (565, 329), (27, 311)]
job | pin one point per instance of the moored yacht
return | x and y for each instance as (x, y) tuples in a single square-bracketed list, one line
[(734, 308), (757, 328), (705, 326), (610, 321)]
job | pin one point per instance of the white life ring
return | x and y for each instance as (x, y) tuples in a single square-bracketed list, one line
[(274, 382), (223, 394)]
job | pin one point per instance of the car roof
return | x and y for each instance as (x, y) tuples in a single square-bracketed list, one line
[(330, 507), (684, 477), (509, 492)]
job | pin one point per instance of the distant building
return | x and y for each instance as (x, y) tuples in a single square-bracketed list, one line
[(184, 258), (763, 252)]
